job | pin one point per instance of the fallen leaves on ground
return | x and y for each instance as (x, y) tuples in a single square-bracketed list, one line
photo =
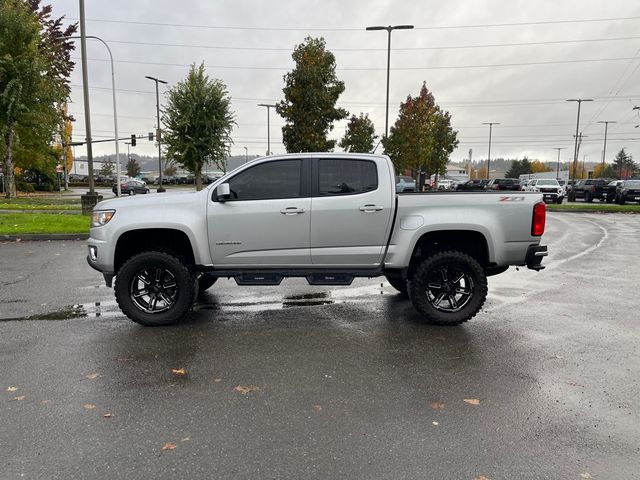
[(435, 423), (89, 406), (437, 405), (217, 380), (92, 376), (472, 401), (317, 408), (185, 439), (18, 398), (178, 371), (246, 389), (586, 475), (169, 446), (108, 415), (12, 389), (44, 402)]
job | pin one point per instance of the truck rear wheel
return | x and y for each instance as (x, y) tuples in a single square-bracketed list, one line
[(448, 288), (397, 282), (154, 288)]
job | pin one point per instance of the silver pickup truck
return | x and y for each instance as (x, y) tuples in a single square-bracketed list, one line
[(327, 217)]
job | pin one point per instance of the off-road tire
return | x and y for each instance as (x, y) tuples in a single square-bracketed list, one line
[(205, 283), (423, 284), (175, 282), (397, 282)]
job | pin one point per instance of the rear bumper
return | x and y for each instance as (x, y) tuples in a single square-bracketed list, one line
[(535, 254)]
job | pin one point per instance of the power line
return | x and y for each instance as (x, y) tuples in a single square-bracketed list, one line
[(371, 69), (442, 47), (355, 29)]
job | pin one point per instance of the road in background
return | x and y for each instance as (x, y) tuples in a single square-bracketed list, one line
[(309, 382)]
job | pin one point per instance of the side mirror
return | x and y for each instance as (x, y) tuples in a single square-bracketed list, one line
[(223, 192)]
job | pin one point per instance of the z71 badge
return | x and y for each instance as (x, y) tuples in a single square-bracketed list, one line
[(511, 199)]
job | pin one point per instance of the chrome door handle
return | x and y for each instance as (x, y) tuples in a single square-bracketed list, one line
[(370, 208), (292, 211)]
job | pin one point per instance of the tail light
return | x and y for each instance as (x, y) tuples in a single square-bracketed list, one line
[(539, 218)]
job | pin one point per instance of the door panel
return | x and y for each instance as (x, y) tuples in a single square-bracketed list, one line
[(266, 221), (256, 233), (351, 212)]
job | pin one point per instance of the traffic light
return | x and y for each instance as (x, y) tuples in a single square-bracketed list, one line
[(133, 139), (151, 136)]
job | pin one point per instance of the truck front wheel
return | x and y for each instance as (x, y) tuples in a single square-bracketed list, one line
[(154, 288), (448, 288)]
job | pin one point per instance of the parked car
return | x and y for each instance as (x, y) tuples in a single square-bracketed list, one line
[(551, 190), (445, 184), (131, 187), (76, 178), (629, 191), (595, 188), (471, 185), (504, 184), (405, 184), (609, 192)]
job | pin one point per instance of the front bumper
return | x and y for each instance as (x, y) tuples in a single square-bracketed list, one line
[(108, 276), (535, 254)]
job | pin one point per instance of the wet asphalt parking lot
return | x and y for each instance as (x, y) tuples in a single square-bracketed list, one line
[(312, 382)]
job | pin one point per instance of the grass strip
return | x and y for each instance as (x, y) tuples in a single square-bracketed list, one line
[(37, 206), (21, 223), (594, 208)]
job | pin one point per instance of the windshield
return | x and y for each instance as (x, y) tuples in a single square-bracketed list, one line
[(632, 184), (548, 182)]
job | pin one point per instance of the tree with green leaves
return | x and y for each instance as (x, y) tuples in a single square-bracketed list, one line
[(519, 167), (198, 121), (422, 137), (310, 95), (108, 168), (35, 65), (133, 168), (624, 166), (360, 135)]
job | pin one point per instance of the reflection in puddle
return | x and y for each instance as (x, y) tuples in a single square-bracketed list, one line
[(249, 303)]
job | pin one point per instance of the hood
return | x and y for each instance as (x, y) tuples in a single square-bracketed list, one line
[(152, 199)]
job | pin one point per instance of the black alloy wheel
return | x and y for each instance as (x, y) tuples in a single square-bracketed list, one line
[(448, 288), (154, 288)]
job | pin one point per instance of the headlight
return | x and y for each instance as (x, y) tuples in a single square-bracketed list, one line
[(101, 217)]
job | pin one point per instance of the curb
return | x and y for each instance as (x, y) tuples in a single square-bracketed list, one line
[(43, 237)]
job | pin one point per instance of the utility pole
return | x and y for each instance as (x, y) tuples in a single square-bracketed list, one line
[(491, 124), (604, 149), (389, 29), (90, 199), (269, 107), (572, 194), (158, 134), (558, 165)]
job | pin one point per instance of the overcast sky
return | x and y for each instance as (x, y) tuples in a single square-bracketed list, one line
[(508, 61)]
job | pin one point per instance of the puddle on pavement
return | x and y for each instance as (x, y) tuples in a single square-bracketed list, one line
[(360, 294)]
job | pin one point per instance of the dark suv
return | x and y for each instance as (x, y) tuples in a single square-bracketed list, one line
[(629, 191), (504, 184)]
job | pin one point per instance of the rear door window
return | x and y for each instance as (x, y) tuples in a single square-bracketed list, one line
[(346, 177)]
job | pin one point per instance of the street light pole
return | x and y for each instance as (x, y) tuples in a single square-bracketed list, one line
[(491, 124), (389, 29), (158, 133), (269, 107), (558, 165), (575, 148), (604, 149)]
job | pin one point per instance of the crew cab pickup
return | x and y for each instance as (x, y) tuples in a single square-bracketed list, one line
[(326, 217)]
